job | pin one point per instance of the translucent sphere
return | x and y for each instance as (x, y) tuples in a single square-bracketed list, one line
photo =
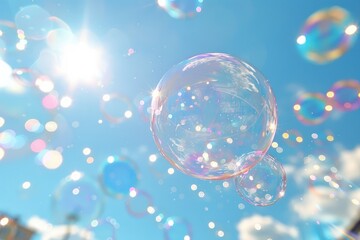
[(327, 35), (181, 8), (345, 95), (209, 112), (176, 228), (118, 176), (311, 108), (77, 199), (264, 184), (34, 21)]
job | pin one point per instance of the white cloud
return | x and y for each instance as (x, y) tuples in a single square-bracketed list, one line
[(327, 204), (51, 232), (265, 227), (350, 163)]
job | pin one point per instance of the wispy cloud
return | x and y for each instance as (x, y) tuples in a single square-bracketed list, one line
[(265, 227)]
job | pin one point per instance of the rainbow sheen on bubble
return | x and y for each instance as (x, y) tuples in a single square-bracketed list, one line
[(209, 112), (327, 35), (118, 176), (345, 95), (181, 8), (264, 184), (77, 199), (34, 21), (312, 108)]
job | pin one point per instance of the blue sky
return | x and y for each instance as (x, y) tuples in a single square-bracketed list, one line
[(263, 33)]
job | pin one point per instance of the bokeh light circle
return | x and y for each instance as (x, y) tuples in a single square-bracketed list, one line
[(181, 8), (327, 35), (312, 108), (51, 159), (209, 112), (345, 95), (77, 199), (118, 175), (264, 184)]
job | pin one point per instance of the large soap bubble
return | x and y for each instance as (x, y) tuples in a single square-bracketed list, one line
[(209, 112), (77, 199), (264, 184), (327, 35)]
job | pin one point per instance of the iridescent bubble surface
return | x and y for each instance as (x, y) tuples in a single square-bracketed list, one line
[(181, 8), (77, 200), (312, 108), (345, 95), (118, 176), (34, 21), (209, 112), (327, 35), (264, 184)]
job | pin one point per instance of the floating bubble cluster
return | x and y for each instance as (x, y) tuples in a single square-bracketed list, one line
[(118, 176), (263, 184), (312, 108), (181, 8), (345, 95), (77, 199), (327, 35), (209, 112)]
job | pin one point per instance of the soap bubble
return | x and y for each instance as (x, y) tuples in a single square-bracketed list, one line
[(264, 184), (104, 229), (312, 108), (34, 21), (176, 228), (327, 35), (118, 176), (139, 203), (77, 200), (181, 8), (60, 36), (345, 95), (209, 112), (116, 108)]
